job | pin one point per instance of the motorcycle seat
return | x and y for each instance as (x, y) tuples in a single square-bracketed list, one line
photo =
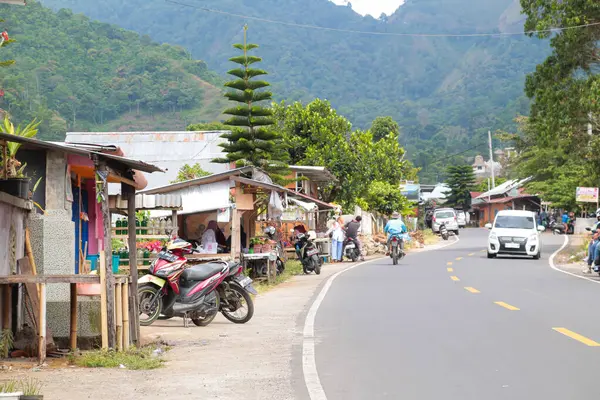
[(201, 272)]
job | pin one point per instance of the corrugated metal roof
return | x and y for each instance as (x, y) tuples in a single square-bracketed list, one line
[(168, 149), (151, 202), (41, 144)]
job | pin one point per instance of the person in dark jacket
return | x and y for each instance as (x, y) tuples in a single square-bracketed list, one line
[(353, 228)]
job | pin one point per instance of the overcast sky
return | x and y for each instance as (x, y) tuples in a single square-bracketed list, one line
[(373, 7)]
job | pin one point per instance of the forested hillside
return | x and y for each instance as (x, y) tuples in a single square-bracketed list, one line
[(77, 74), (445, 92)]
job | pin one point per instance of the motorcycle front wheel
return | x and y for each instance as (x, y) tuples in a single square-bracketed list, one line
[(150, 304), (316, 264), (239, 307)]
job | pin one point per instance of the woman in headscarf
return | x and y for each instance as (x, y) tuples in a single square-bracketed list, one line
[(336, 233), (213, 234)]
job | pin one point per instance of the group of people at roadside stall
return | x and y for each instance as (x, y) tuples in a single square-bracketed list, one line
[(593, 257), (339, 231)]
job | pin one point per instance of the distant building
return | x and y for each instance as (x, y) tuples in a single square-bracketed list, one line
[(483, 169), (169, 150)]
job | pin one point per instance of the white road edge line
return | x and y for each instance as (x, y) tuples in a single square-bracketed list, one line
[(309, 363), (554, 267)]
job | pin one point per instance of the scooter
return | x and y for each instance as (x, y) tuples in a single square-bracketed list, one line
[(308, 254), (444, 232), (557, 228), (198, 292), (351, 249), (396, 248)]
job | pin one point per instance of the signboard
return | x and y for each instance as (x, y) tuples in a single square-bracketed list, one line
[(586, 195)]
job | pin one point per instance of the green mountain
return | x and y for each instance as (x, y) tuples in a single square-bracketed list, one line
[(445, 92), (77, 74)]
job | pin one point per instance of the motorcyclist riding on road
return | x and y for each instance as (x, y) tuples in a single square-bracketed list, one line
[(395, 226)]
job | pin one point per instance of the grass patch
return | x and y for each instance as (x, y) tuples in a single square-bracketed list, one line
[(430, 237), (147, 357), (29, 387), (292, 268)]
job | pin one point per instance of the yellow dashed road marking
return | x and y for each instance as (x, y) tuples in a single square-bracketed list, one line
[(577, 336), (458, 258), (450, 269), (471, 289), (471, 254), (449, 263), (507, 306), (455, 278)]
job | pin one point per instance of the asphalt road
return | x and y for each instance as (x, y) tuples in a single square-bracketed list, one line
[(431, 328)]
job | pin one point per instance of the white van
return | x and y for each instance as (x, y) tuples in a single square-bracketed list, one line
[(515, 232)]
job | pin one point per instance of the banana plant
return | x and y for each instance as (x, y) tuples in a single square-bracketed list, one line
[(11, 167)]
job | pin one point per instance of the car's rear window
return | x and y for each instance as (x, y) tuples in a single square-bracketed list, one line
[(444, 214), (514, 222)]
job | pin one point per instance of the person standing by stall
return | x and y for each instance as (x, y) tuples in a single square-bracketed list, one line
[(336, 233)]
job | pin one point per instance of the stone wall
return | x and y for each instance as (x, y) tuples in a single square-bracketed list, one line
[(53, 243)]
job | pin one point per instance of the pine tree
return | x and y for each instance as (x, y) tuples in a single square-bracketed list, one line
[(461, 180), (252, 140)]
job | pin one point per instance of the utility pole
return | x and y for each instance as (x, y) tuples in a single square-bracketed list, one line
[(491, 158)]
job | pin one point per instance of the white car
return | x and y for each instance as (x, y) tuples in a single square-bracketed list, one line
[(461, 219), (446, 216), (515, 232)]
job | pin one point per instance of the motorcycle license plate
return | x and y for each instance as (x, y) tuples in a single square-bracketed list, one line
[(165, 255), (243, 281), (350, 246), (312, 252), (394, 243)]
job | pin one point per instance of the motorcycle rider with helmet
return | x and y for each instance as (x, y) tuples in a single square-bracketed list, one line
[(395, 227)]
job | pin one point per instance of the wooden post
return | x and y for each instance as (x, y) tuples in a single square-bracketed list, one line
[(175, 222), (107, 256), (42, 328), (103, 301), (119, 315), (29, 253), (5, 289), (125, 308), (73, 336), (134, 304)]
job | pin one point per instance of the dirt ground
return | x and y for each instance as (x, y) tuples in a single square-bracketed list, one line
[(221, 361)]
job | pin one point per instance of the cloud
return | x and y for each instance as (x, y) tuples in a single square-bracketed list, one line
[(373, 7)]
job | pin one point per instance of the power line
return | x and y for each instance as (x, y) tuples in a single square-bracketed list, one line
[(324, 28)]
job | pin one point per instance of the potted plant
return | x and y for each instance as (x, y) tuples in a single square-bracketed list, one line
[(9, 391), (31, 389), (12, 179)]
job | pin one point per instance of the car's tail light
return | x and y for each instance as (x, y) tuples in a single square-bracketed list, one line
[(395, 239)]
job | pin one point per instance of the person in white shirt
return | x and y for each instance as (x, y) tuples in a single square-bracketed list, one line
[(336, 232)]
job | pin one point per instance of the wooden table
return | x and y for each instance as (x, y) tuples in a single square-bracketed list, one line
[(270, 258)]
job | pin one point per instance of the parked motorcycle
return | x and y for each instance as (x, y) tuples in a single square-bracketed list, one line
[(308, 253), (198, 292), (557, 228), (351, 249), (444, 232), (396, 248)]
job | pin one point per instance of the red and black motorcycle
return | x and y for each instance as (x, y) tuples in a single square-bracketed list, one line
[(198, 292)]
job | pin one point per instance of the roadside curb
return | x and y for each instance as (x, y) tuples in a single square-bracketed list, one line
[(554, 267)]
